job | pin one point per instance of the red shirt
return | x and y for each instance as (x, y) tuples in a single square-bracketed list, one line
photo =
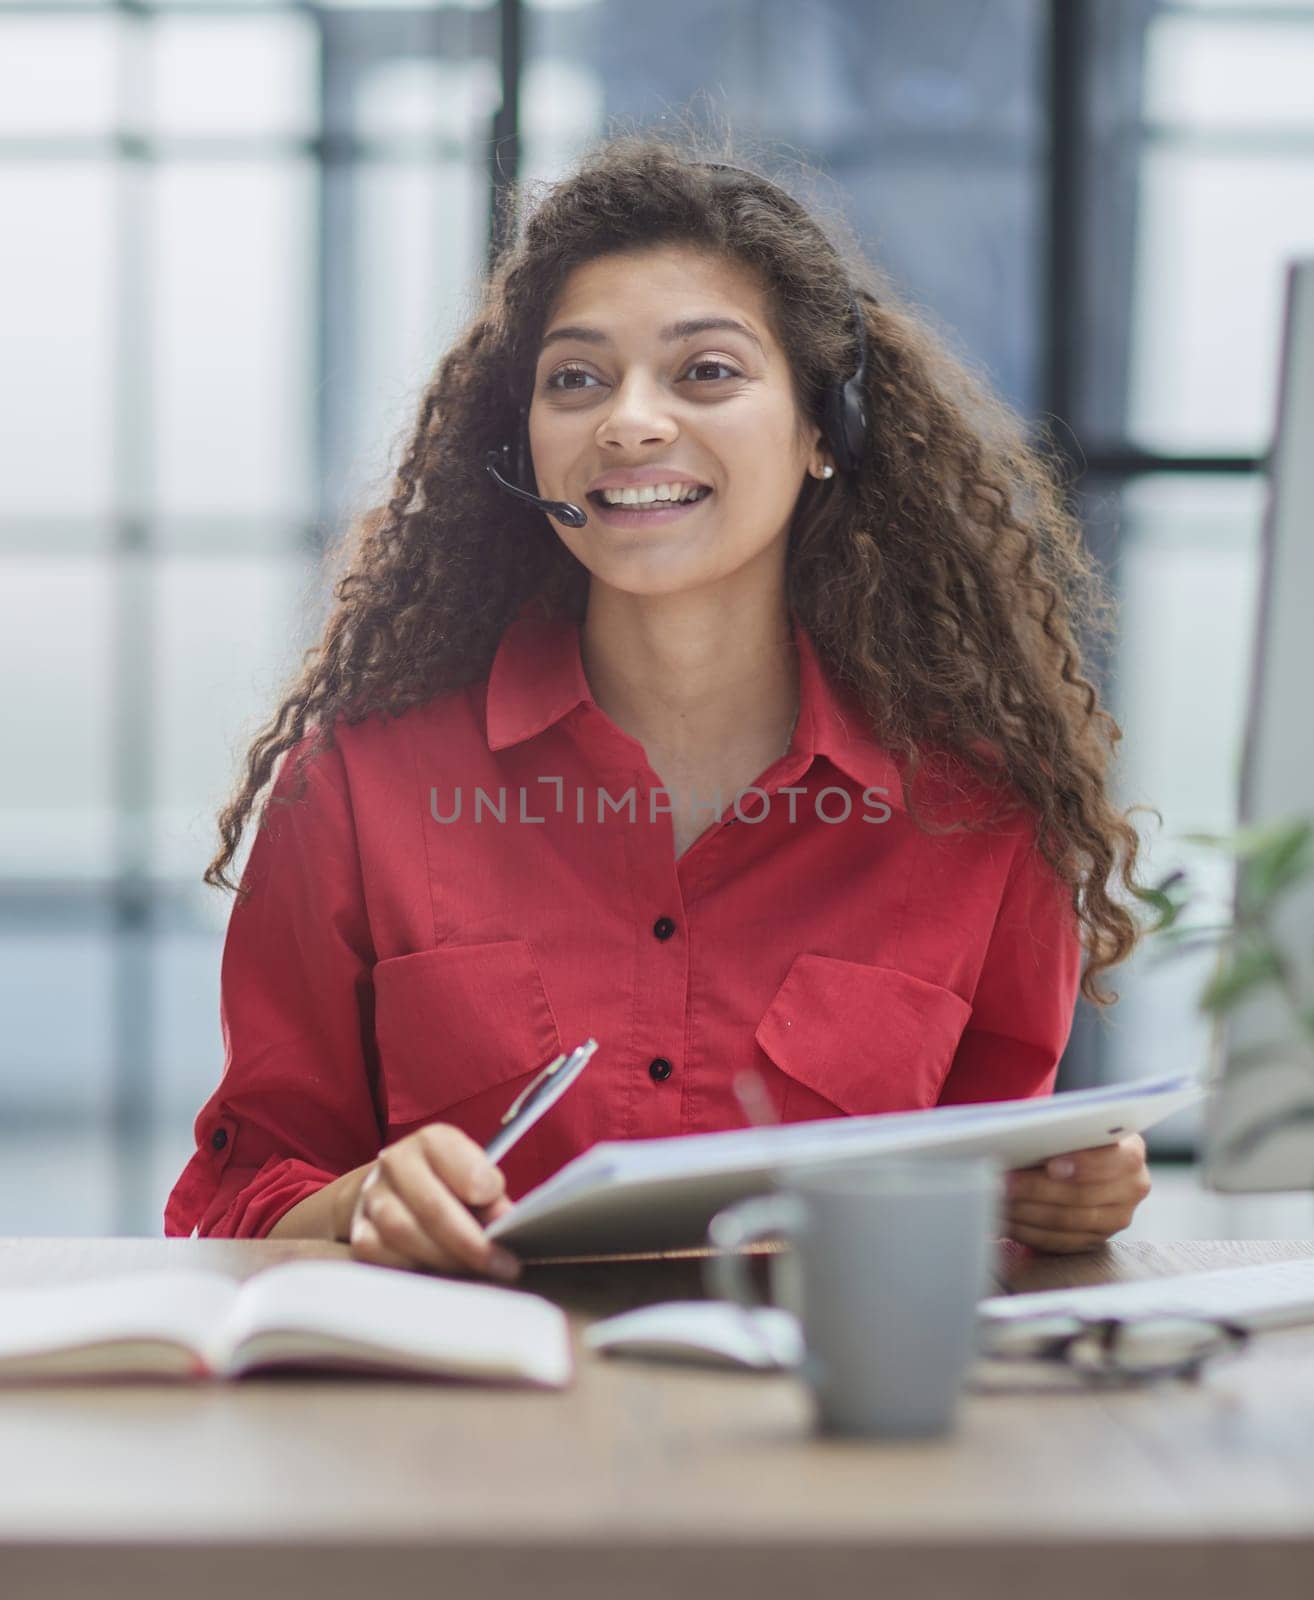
[(391, 969)]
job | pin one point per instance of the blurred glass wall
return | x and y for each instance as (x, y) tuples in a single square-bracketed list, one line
[(236, 240)]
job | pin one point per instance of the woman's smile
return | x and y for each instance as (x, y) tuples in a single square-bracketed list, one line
[(652, 515)]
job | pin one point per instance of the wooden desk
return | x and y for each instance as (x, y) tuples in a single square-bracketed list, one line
[(646, 1481)]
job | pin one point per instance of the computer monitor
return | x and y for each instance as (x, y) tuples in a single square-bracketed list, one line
[(1259, 1119)]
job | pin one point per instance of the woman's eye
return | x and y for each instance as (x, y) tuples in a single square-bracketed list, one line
[(580, 372), (733, 371), (566, 372)]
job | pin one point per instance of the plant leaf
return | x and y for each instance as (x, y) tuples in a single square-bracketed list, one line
[(1161, 897), (1214, 841), (1251, 839), (1251, 966), (1286, 858)]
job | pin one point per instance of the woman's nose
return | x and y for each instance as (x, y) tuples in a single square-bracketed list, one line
[(636, 417)]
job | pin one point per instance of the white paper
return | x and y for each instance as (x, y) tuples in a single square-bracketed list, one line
[(654, 1194), (369, 1315), (174, 1306), (471, 1329)]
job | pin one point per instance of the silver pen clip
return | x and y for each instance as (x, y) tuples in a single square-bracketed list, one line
[(513, 1110)]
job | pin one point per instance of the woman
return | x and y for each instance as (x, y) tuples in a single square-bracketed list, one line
[(796, 776)]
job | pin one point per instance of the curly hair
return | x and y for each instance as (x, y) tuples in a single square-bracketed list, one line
[(946, 582)]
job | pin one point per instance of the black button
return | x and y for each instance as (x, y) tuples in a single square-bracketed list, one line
[(219, 1138), (663, 927), (658, 1068)]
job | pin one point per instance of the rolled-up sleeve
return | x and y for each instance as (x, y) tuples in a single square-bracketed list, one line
[(1026, 992), (295, 1107)]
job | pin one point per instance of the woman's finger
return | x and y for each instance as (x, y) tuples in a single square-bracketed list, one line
[(444, 1218), (399, 1231), (1098, 1163), (462, 1164), (367, 1246), (1035, 1186), (1056, 1243), (1072, 1219), (491, 1213)]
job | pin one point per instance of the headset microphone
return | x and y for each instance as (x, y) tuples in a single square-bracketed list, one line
[(496, 465)]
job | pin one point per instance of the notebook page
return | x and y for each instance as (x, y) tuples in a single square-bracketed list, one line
[(176, 1307), (438, 1324)]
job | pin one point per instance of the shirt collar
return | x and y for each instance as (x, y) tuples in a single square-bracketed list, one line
[(537, 677)]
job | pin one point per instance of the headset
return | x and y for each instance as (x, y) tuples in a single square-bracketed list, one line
[(843, 418)]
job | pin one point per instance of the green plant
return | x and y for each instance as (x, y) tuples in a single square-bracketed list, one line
[(1271, 860)]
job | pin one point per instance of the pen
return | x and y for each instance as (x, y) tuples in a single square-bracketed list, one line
[(541, 1093), (754, 1101)]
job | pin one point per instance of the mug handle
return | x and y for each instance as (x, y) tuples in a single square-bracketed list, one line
[(727, 1275)]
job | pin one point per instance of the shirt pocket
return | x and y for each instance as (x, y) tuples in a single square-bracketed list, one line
[(857, 1039), (458, 1028)]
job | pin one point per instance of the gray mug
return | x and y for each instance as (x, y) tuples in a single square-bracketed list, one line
[(891, 1256)]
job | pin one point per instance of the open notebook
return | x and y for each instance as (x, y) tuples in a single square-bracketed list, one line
[(660, 1194), (343, 1315)]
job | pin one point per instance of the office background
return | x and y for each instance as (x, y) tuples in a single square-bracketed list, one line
[(236, 238)]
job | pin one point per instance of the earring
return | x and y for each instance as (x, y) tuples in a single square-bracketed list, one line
[(828, 471)]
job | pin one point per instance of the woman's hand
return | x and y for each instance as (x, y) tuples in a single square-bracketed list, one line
[(424, 1203), (1079, 1211)]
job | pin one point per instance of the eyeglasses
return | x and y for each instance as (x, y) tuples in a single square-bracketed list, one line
[(1112, 1349)]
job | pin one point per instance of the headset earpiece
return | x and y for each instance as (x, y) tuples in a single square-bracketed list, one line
[(844, 409)]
